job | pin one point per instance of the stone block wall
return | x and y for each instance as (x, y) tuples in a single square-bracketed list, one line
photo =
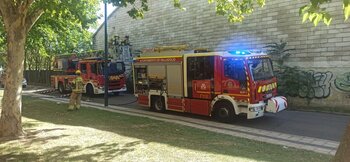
[(324, 50)]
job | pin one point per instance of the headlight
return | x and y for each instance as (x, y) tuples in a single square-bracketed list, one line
[(255, 108)]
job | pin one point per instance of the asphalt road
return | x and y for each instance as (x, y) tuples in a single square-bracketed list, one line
[(310, 124)]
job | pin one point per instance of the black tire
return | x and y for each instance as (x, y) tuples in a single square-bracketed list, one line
[(61, 88), (90, 90), (224, 112), (116, 93), (158, 104)]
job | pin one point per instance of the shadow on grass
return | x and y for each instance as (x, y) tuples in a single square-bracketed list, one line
[(29, 124), (30, 136), (102, 152), (155, 131)]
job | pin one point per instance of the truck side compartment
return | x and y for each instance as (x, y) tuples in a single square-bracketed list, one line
[(217, 84)]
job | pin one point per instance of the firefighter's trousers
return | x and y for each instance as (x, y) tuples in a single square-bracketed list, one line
[(75, 100)]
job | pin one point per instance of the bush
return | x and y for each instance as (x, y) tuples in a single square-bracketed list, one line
[(295, 82), (291, 80)]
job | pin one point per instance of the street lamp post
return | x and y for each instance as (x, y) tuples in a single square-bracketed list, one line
[(106, 58)]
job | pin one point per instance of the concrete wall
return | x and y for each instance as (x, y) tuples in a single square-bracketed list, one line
[(322, 49)]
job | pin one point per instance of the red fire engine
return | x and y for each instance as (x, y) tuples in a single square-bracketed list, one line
[(92, 72), (218, 84)]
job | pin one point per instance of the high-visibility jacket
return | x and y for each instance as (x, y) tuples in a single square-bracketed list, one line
[(78, 85)]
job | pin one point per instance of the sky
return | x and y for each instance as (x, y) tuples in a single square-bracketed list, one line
[(110, 9), (101, 12)]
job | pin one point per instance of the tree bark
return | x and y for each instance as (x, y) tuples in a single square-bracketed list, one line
[(11, 121), (343, 152), (18, 19)]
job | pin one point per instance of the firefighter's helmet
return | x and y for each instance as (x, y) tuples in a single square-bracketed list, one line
[(78, 72)]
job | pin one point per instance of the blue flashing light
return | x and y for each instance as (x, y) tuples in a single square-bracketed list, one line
[(239, 52)]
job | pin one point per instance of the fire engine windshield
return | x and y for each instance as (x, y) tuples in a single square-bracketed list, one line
[(261, 69), (115, 68)]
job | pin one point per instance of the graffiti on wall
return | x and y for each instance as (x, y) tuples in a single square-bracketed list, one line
[(342, 82), (321, 87)]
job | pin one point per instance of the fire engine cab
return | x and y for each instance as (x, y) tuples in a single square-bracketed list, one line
[(92, 72), (218, 84)]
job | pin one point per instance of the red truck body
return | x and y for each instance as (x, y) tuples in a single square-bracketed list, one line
[(92, 72), (219, 84)]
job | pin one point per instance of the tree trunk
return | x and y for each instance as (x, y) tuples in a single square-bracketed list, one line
[(17, 23), (343, 152), (11, 121)]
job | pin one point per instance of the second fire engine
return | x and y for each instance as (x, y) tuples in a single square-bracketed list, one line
[(92, 72), (218, 84)]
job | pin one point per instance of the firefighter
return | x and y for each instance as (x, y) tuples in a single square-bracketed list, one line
[(77, 89)]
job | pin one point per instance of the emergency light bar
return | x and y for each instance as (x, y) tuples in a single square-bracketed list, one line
[(239, 52)]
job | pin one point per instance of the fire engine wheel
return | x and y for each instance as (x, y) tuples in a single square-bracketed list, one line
[(224, 112), (61, 88), (158, 104), (90, 90)]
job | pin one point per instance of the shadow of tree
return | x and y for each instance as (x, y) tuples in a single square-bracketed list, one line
[(100, 152), (146, 130), (29, 124)]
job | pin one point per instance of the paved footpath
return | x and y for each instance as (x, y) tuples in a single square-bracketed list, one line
[(287, 140)]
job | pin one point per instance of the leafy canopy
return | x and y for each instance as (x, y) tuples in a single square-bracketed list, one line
[(237, 10), (62, 28), (234, 9)]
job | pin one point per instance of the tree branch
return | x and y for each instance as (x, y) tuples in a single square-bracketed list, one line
[(25, 5), (4, 7), (32, 18), (7, 9), (29, 2), (1, 15)]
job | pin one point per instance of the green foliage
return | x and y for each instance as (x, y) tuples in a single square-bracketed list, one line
[(314, 13), (139, 7), (137, 11), (291, 80), (81, 12), (295, 82), (63, 28), (64, 22), (236, 10), (2, 45), (177, 4), (346, 8), (278, 51)]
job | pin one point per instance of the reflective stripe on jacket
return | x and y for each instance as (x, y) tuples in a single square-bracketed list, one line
[(78, 85)]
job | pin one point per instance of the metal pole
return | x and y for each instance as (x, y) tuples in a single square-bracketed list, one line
[(106, 58)]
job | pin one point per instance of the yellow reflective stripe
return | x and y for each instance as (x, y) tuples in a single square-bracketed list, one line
[(78, 84), (236, 95), (140, 58), (259, 89)]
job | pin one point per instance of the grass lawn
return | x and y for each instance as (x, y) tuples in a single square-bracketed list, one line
[(53, 134)]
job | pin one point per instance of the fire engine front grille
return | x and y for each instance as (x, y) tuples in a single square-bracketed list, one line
[(114, 84)]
